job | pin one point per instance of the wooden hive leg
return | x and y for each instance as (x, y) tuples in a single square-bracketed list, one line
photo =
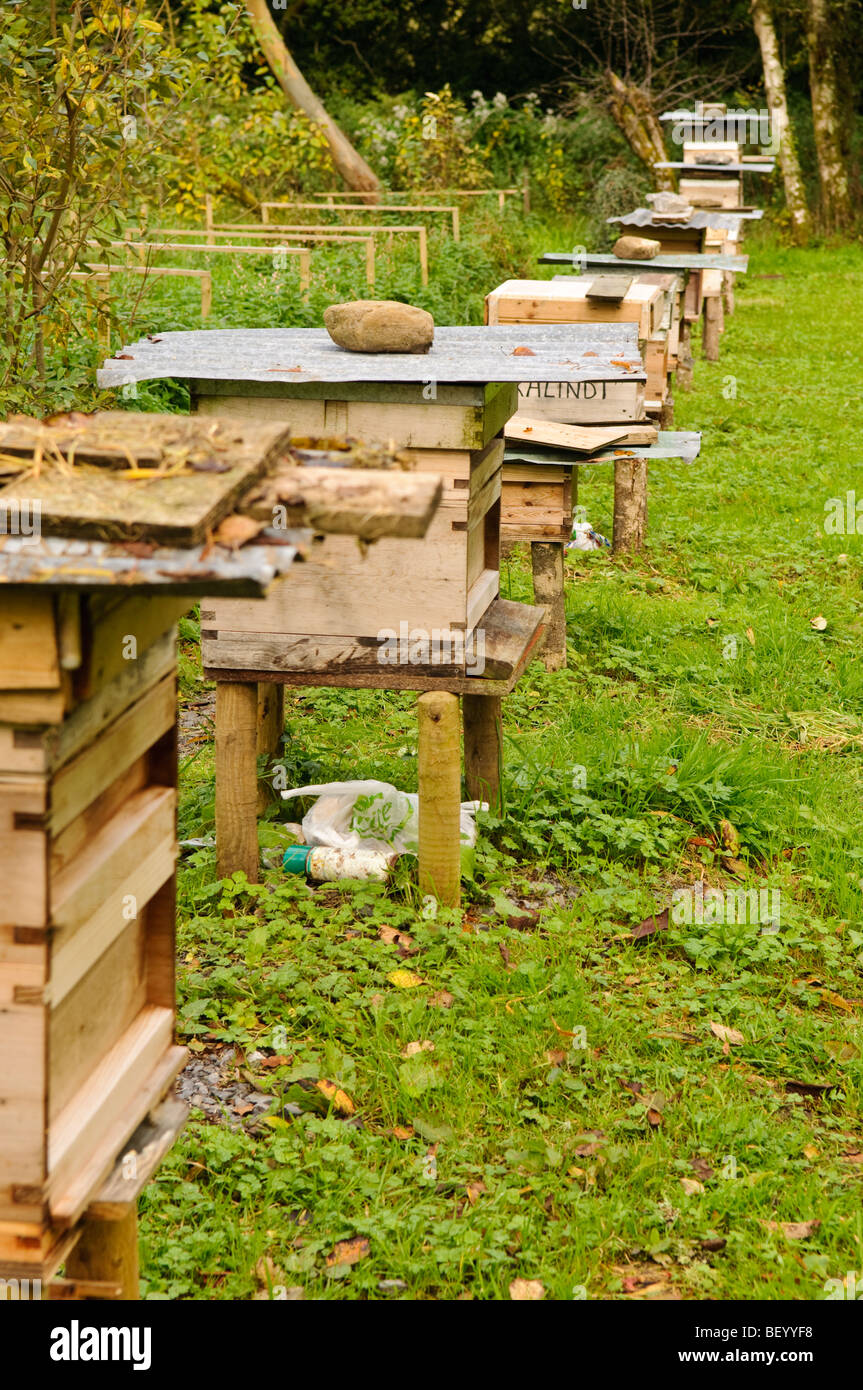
[(548, 589), (728, 291), (684, 357), (107, 1252), (271, 725), (439, 757), (630, 504), (237, 778), (712, 327), (666, 419), (483, 748)]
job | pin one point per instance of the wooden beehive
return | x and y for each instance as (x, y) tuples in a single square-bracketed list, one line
[(445, 409), (712, 192), (573, 300), (88, 778), (87, 856), (344, 596), (537, 500)]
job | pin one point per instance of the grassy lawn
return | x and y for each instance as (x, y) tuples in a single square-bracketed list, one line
[(524, 1091)]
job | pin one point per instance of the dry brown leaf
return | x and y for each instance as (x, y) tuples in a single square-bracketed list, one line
[(526, 1291), (441, 999), (818, 623), (691, 1186), (236, 530), (556, 1059), (340, 1100), (829, 997), (475, 1191), (523, 352), (727, 1035), (750, 637), (651, 926), (793, 1230), (414, 1047), (403, 1131), (347, 1252)]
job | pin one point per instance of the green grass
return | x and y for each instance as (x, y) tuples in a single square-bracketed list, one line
[(698, 692)]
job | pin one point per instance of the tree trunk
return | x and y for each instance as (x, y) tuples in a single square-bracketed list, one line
[(835, 201), (352, 167), (633, 114), (783, 137)]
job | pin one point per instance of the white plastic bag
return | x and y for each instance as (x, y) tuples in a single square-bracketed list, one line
[(370, 815)]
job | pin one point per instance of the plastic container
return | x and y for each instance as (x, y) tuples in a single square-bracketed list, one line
[(329, 865)]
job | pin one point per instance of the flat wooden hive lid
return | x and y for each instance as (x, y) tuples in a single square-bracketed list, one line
[(565, 352)]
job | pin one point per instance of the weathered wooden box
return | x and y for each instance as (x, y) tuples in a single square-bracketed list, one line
[(570, 301), (712, 192), (537, 501), (344, 597), (87, 857)]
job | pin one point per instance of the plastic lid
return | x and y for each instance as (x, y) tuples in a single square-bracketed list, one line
[(296, 859)]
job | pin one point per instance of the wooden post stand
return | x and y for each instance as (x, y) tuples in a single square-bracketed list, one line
[(630, 504), (439, 797), (713, 326), (236, 779), (512, 634), (107, 1252), (483, 748), (548, 590)]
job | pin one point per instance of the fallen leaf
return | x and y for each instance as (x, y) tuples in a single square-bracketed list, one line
[(556, 1058), (729, 1035), (750, 637), (526, 1291), (737, 867), (268, 1063), (654, 1119), (818, 623), (809, 1088), (853, 1157), (593, 1141), (713, 1243), (505, 956), (236, 530), (793, 1230), (691, 1186), (523, 352), (403, 1132), (441, 999), (811, 1151), (651, 926), (474, 1191), (242, 1107), (702, 1169), (413, 1048), (347, 1252), (339, 1100), (391, 937), (828, 997), (404, 979)]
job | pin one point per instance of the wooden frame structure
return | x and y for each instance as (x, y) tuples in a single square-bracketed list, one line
[(305, 258), (452, 212), (253, 230)]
